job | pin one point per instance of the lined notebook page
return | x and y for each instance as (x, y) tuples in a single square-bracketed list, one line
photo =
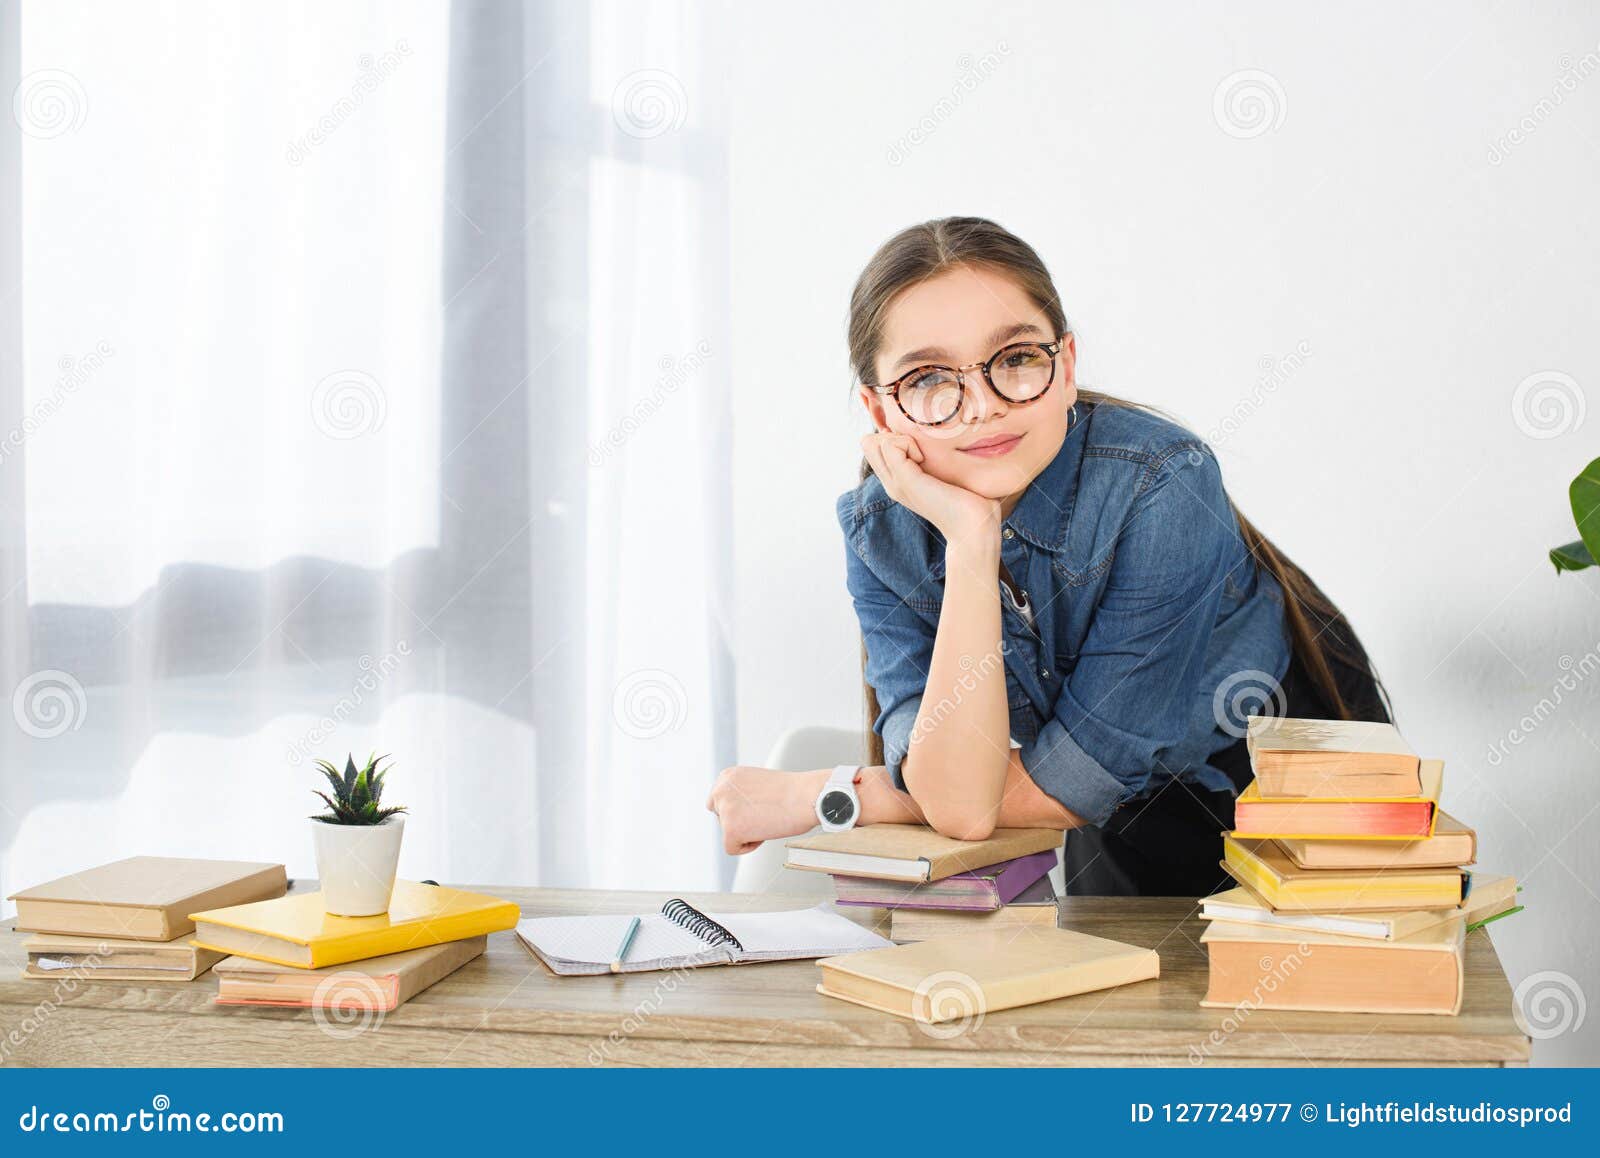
[(798, 933), (571, 945), (587, 944)]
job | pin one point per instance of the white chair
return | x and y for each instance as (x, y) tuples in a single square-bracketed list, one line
[(762, 871)]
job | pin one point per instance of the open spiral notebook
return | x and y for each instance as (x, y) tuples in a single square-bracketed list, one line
[(681, 936)]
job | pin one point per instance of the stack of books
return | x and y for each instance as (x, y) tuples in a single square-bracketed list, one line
[(1354, 895), (291, 951), (129, 920), (928, 885), (171, 919)]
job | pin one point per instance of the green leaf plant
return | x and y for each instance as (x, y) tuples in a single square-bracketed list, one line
[(356, 793), (1585, 495)]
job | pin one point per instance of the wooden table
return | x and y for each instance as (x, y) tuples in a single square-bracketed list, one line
[(506, 1008)]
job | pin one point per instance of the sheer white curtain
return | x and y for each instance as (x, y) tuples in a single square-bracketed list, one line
[(369, 397)]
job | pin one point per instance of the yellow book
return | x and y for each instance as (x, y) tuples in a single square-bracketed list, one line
[(1341, 817), (296, 930), (1267, 871)]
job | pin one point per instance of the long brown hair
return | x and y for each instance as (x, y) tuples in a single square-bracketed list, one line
[(1320, 638)]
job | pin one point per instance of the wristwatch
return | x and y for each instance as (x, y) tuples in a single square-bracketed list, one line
[(838, 806)]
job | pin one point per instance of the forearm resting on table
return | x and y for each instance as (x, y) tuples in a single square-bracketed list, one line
[(1023, 804)]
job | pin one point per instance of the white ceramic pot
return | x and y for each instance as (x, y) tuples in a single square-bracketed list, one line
[(356, 865)]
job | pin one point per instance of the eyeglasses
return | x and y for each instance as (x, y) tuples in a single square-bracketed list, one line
[(932, 395)]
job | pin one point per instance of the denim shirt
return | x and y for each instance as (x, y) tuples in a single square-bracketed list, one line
[(1151, 626)]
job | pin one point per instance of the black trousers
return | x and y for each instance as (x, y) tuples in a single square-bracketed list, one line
[(1170, 845)]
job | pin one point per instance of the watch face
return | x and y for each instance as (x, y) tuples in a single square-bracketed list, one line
[(837, 807)]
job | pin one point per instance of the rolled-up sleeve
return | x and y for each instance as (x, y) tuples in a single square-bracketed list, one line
[(899, 649), (1130, 696)]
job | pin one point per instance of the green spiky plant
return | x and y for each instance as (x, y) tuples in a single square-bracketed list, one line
[(356, 794)]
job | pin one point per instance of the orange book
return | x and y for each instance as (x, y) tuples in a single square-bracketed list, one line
[(378, 984), (1263, 968), (1452, 843), (1349, 818)]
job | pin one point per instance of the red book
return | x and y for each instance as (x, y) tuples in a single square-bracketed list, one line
[(1350, 818)]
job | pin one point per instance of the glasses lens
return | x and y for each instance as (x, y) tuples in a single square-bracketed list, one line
[(1021, 373), (931, 396)]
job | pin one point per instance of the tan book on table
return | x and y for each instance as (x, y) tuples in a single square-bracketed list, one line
[(52, 956), (1452, 843), (144, 898), (1035, 907), (377, 984), (912, 852), (1300, 757), (1264, 968), (951, 978)]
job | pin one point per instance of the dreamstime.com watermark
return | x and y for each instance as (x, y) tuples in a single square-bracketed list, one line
[(1244, 694), (1550, 1004), (973, 674), (1574, 673), (1274, 372), (1248, 103), (49, 703), (1573, 73), (649, 102), (373, 672), (49, 103), (373, 71), (1548, 404), (1274, 972), (648, 703), (970, 73), (638, 1016), (74, 375), (63, 984), (160, 1118), (674, 373)]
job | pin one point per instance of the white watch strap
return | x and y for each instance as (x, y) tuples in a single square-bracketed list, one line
[(844, 776)]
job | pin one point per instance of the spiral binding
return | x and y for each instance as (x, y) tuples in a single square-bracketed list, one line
[(681, 912)]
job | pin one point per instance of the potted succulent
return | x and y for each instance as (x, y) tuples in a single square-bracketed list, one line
[(357, 839)]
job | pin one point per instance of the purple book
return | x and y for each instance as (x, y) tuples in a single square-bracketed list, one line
[(981, 890)]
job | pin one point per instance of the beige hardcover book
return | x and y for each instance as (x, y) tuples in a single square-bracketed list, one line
[(912, 852), (1299, 757), (144, 898), (950, 978), (1452, 843), (1035, 906), (376, 984), (52, 956), (924, 924), (1299, 969)]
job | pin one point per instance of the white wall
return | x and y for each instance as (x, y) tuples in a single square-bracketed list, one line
[(1428, 263)]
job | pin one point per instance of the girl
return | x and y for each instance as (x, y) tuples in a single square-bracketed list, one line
[(1064, 619)]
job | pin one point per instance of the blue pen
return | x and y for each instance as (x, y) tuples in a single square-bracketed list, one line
[(622, 949)]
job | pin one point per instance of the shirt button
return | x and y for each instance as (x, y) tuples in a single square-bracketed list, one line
[(1045, 672), (1008, 533)]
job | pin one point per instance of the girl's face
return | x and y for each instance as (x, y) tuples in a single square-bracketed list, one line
[(992, 447)]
